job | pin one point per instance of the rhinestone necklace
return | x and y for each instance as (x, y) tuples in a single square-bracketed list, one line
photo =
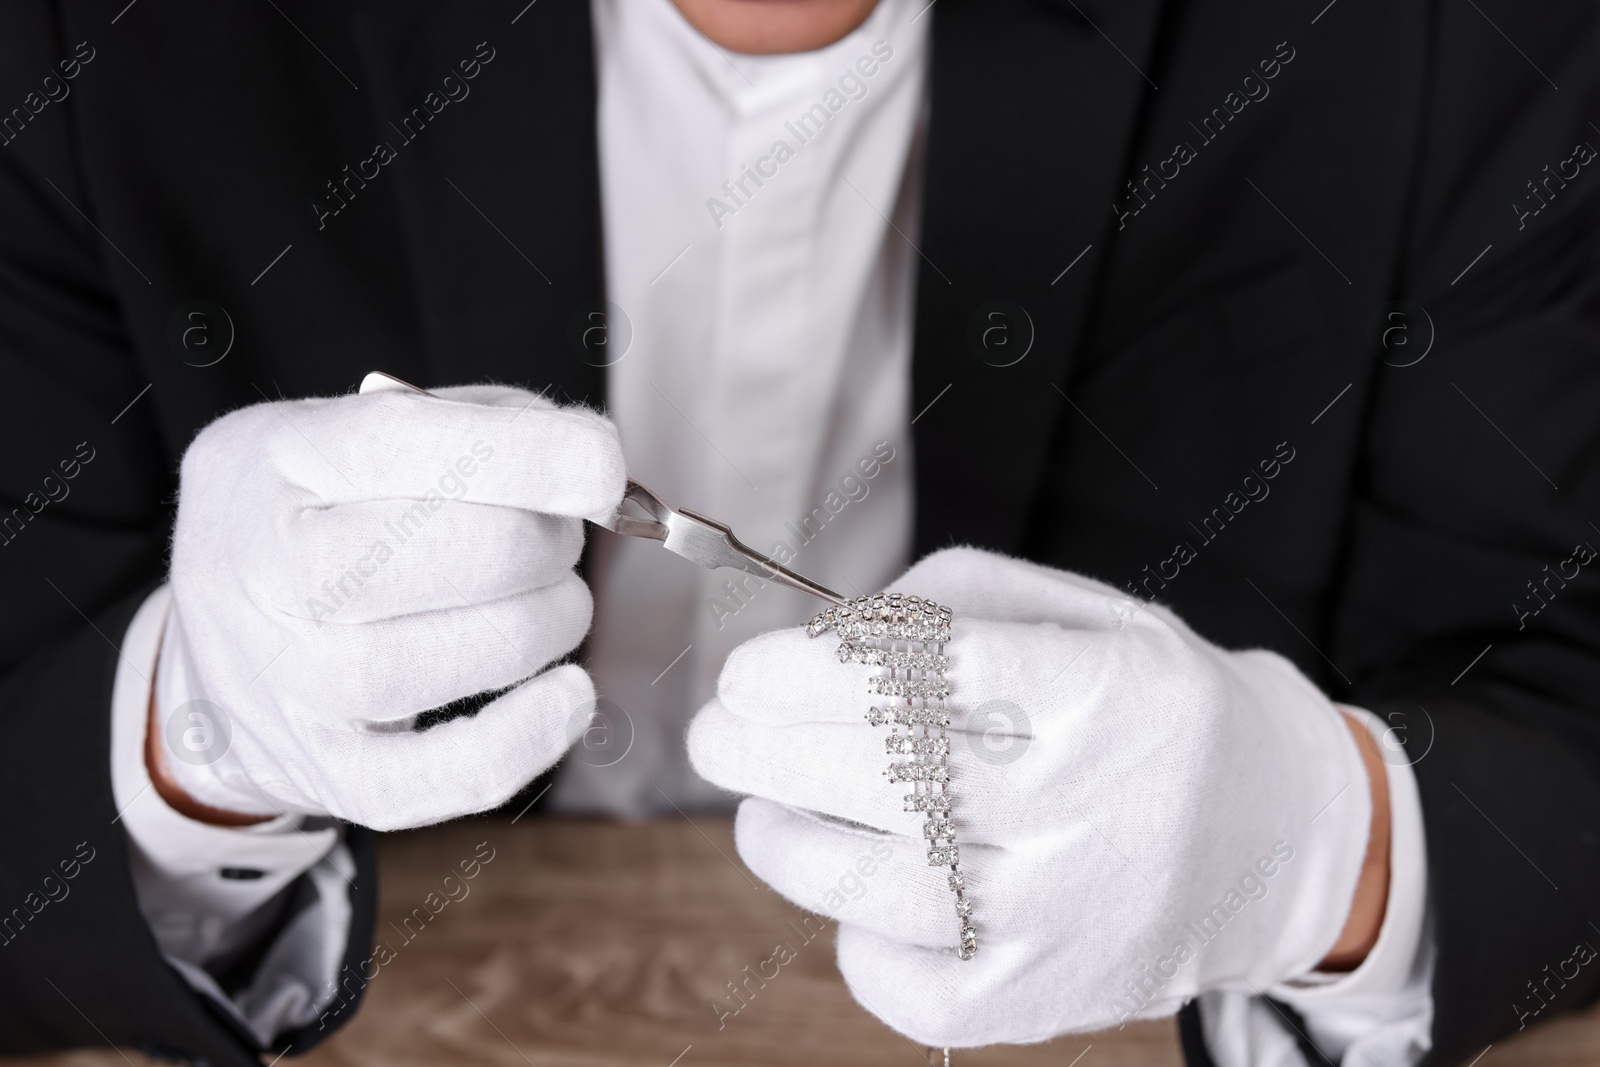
[(905, 637)]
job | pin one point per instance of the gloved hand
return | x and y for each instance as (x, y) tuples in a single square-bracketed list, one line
[(340, 565), (1145, 816)]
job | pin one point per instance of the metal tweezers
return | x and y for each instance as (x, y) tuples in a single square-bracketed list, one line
[(691, 535)]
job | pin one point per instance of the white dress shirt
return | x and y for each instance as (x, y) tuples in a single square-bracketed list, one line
[(771, 350), (200, 886), (759, 370)]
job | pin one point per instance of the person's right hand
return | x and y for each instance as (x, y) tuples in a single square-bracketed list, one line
[(340, 565)]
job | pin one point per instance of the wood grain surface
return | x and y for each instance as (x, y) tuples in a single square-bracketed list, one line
[(595, 943)]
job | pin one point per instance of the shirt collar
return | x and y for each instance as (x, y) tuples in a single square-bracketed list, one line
[(750, 84)]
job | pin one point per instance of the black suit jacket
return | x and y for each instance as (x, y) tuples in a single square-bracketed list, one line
[(1198, 219)]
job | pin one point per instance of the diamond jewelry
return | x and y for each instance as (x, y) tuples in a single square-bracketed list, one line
[(904, 637)]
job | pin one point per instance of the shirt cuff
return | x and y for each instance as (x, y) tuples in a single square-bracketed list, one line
[(1381, 1013), (204, 889)]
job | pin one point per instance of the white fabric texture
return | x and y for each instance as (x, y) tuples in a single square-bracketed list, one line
[(340, 565), (1145, 818), (1381, 1013), (197, 915), (768, 379)]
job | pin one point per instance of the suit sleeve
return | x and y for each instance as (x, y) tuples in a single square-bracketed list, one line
[(1469, 613), (84, 492)]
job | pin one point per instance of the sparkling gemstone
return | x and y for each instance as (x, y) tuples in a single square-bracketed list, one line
[(935, 631), (943, 856), (903, 716), (956, 881), (937, 828), (907, 745), (871, 655), (930, 662), (917, 772), (823, 622), (910, 689), (927, 662), (963, 907)]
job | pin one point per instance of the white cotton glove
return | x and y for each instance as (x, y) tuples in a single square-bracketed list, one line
[(340, 565), (1134, 777)]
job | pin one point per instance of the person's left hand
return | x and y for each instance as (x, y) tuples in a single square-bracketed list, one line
[(1141, 814)]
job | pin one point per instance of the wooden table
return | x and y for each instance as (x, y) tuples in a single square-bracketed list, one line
[(595, 943)]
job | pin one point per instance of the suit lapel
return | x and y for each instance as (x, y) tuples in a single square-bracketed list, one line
[(498, 189), (1033, 111)]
